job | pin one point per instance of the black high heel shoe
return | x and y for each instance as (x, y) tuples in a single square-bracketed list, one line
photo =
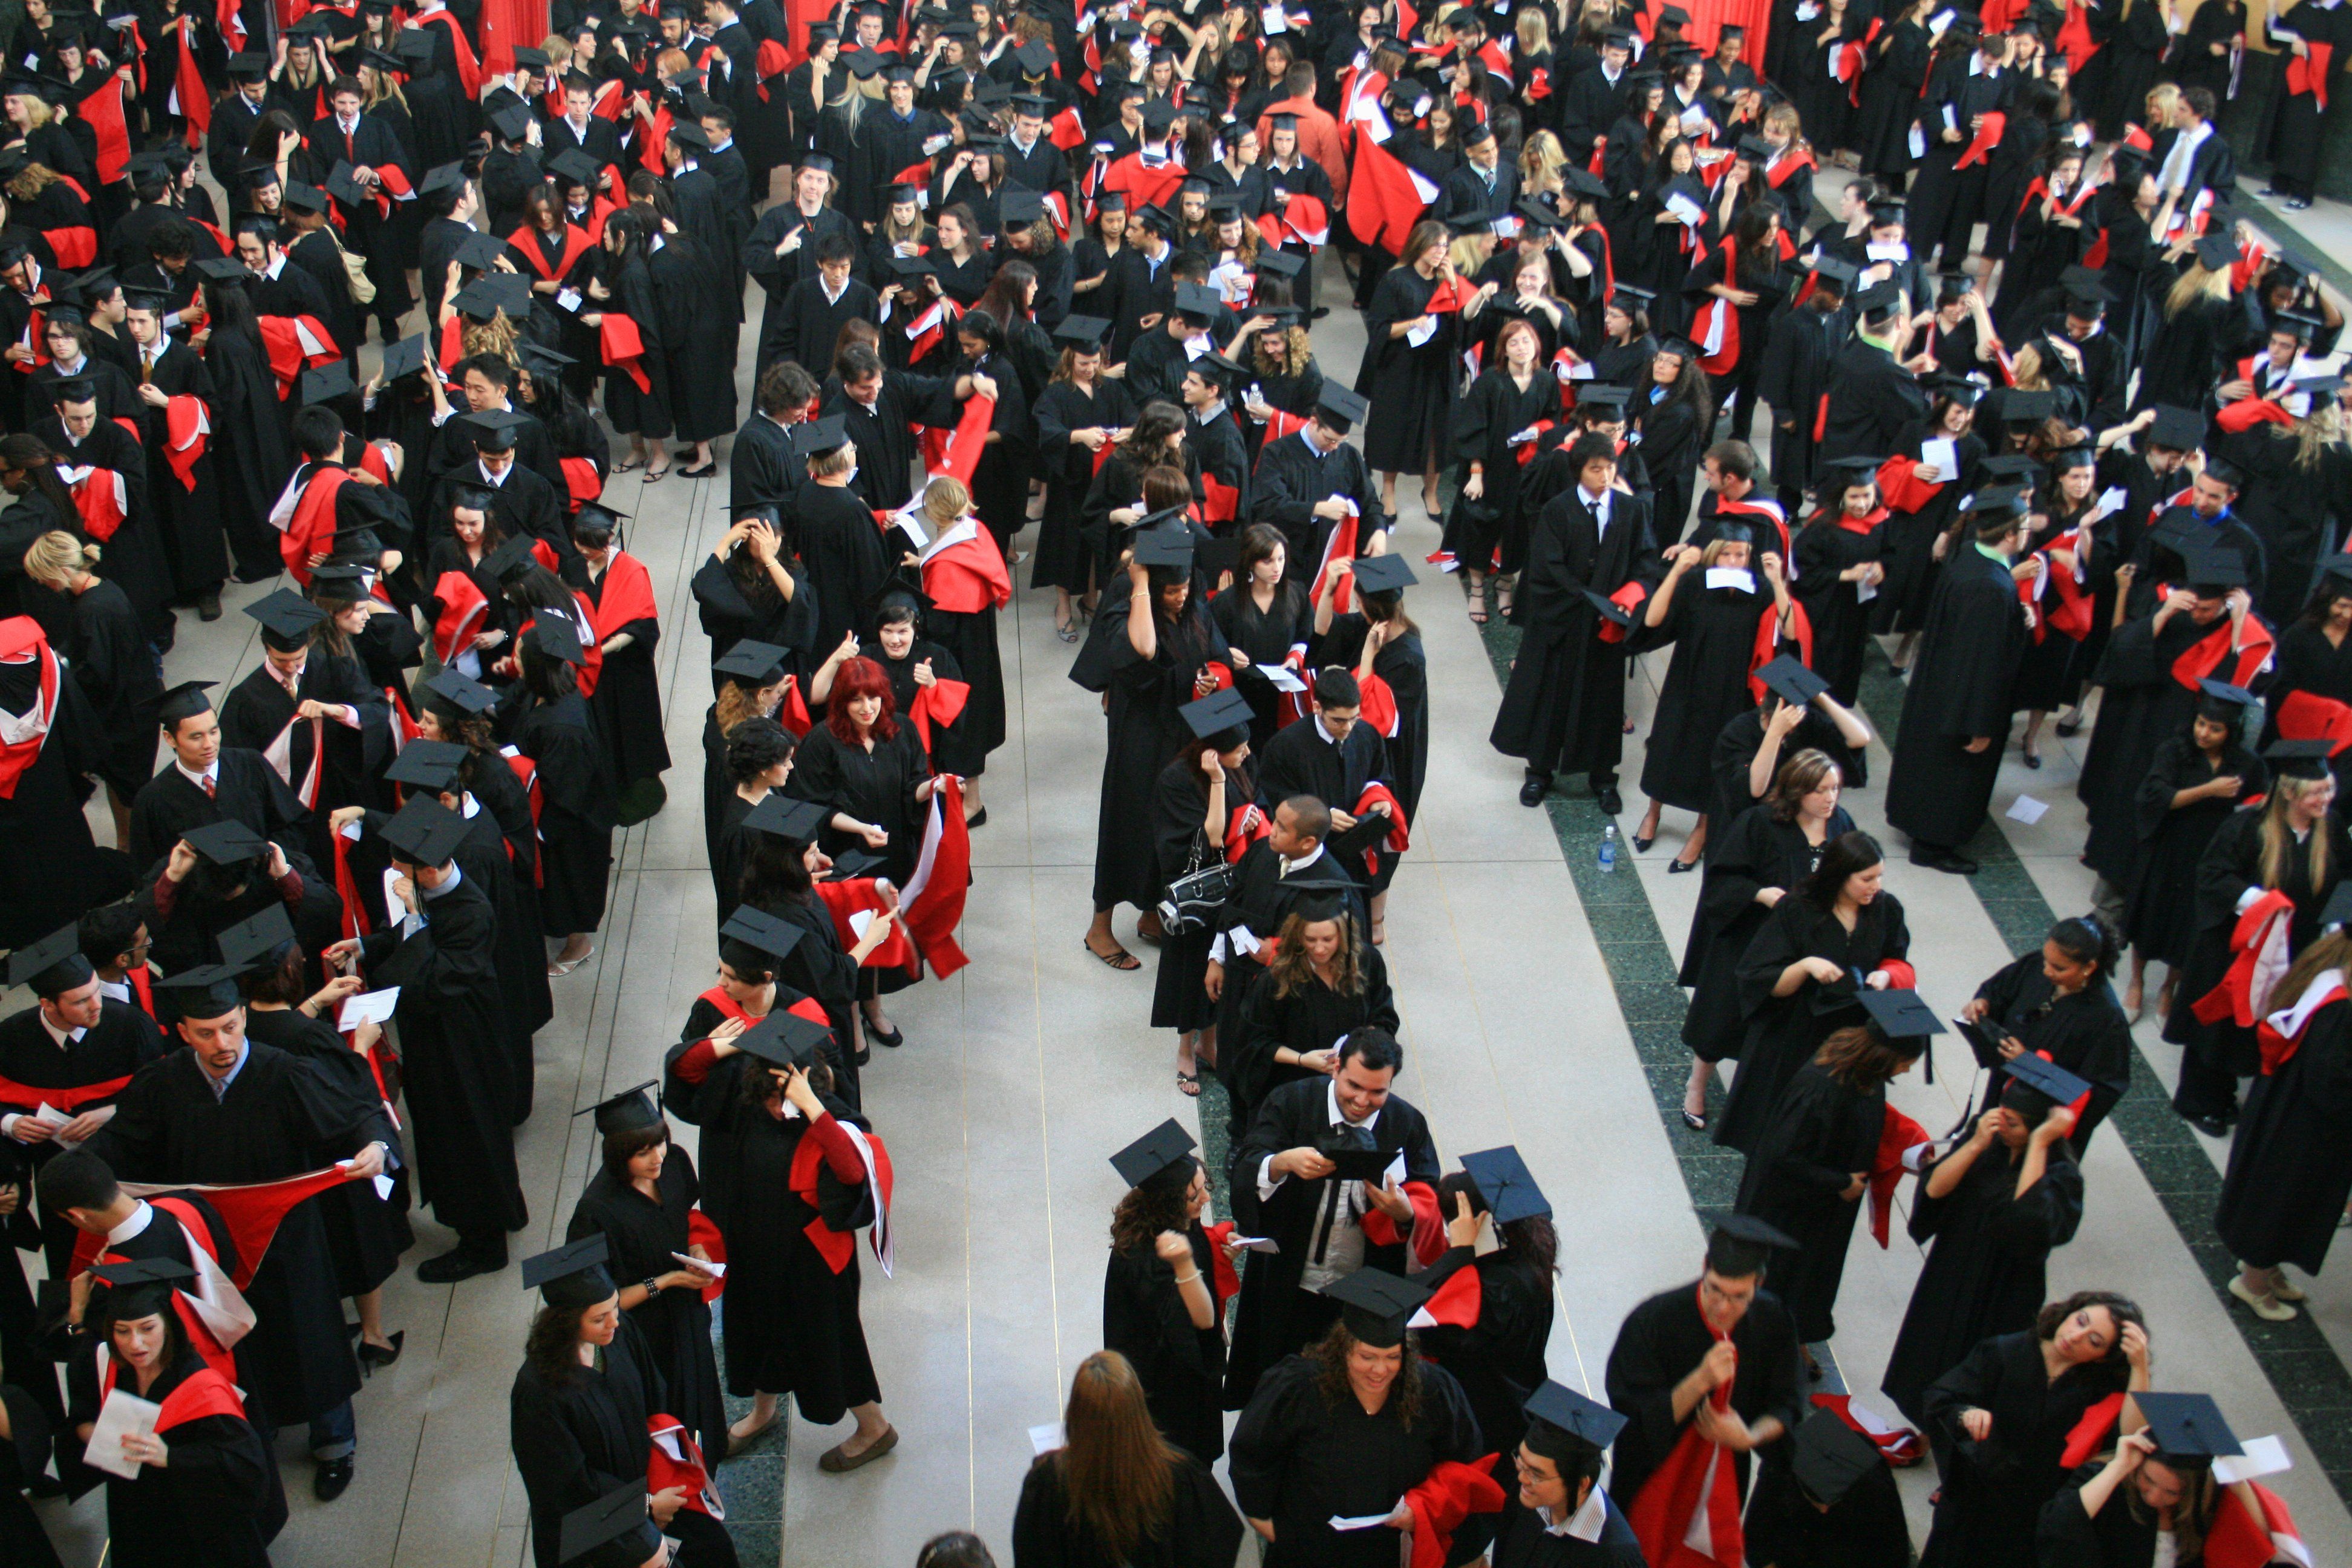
[(893, 1039), (374, 1356)]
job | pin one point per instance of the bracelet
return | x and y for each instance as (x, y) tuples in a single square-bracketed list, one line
[(1188, 1278)]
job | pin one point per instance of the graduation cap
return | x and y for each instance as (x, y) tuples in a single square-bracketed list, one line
[(557, 639), (1744, 1244), (1789, 679), (264, 939), (757, 928), (2047, 1079), (495, 429), (906, 267), (573, 1275), (512, 557), (480, 250), (1506, 1184), (1339, 408), (2218, 570), (2009, 468), (1879, 299), (1996, 500), (512, 122), (303, 198), (426, 764), (2215, 253), (626, 1111), (540, 360), (760, 663), (491, 293), (1634, 293), (690, 133), (426, 832), (250, 66), (1384, 573), (1198, 301), (2188, 1427), (1907, 1022), (784, 1039), (464, 694), (1084, 334), (1838, 275), (1213, 715), (2299, 759), (72, 388), (1830, 1457), (615, 1515), (143, 1287), (1019, 204), (207, 990), (327, 381), (286, 618), (220, 269), (2019, 407), (1377, 1305), (54, 964), (801, 821), (406, 357), (1603, 398), (1164, 1147), (1035, 59), (865, 64), (2221, 694), (820, 438), (442, 177), (1280, 263), (575, 167), (1164, 547), (534, 60), (2180, 430), (1567, 1428)]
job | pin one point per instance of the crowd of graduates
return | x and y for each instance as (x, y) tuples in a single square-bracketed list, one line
[(1752, 339)]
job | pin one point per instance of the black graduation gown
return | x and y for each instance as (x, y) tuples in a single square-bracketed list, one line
[(1179, 805), (2085, 1033), (575, 825), (53, 872), (1275, 1317), (1713, 631), (107, 653), (1742, 739), (187, 517), (1409, 427), (457, 1060), (627, 703), (123, 1040), (885, 446), (1871, 401), (2290, 1166), (1939, 791), (1753, 853), (482, 857), (697, 329), (2160, 918), (1840, 615), (1267, 636), (1499, 1359), (1301, 1457), (2143, 707), (280, 1116), (1144, 733), (875, 786), (1302, 759), (729, 615), (1182, 1368), (1201, 1526), (253, 454), (792, 1323), (1908, 539), (1293, 476), (1865, 1529), (1987, 1273), (643, 1236), (1564, 707), (1994, 1488), (365, 1233), (2184, 354), (832, 532), (1066, 559), (579, 1440), (1313, 1017), (1658, 1345), (2231, 865), (630, 409), (1822, 1131), (246, 790), (218, 1500), (1494, 410), (350, 772), (1783, 1032), (2306, 661), (2118, 1536), (1525, 1542)]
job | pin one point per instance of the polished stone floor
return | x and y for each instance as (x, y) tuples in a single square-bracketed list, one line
[(1537, 1005)]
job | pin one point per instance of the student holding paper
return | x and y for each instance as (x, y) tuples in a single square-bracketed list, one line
[(189, 1478), (1163, 1290), (1115, 1492), (2199, 777)]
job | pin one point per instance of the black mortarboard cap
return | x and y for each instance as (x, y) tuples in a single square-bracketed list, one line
[(1280, 263), (426, 832), (511, 559), (207, 990), (1830, 1457), (2216, 253), (2222, 692), (2298, 759), (1212, 715), (257, 941), (1019, 204), (220, 269), (1198, 300), (572, 1275), (1792, 681), (1754, 1232), (540, 360), (185, 700), (512, 122), (1341, 408), (462, 692), (73, 388), (784, 1039), (817, 438), (1384, 573), (758, 662), (627, 1110), (1601, 394), (495, 429), (532, 59), (1998, 500), (1906, 1021), (1376, 1305), (1838, 275), (143, 1287), (286, 614), (1565, 1411), (495, 291), (1608, 610), (2021, 406), (1878, 298), (1165, 1146), (575, 167), (426, 764), (2187, 1427), (250, 66), (1164, 547), (2182, 429), (481, 250), (802, 821), (1507, 1183), (691, 133), (615, 1515), (406, 357), (440, 178), (305, 198), (2009, 468), (2047, 1079), (755, 927), (913, 267), (332, 379), (557, 639), (1082, 332), (52, 965), (2223, 569)]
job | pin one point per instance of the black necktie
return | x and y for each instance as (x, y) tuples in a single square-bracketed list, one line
[(1345, 1137)]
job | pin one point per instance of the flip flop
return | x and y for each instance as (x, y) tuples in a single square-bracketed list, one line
[(1189, 1083), (654, 479), (558, 968), (628, 468)]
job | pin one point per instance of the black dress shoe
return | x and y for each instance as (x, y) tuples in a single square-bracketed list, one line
[(373, 1356), (894, 1038), (1611, 803), (1531, 792), (208, 606), (2212, 1126), (1944, 861), (459, 1263), (977, 819), (330, 1480)]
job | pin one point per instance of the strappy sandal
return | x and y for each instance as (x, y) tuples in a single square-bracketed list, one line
[(1189, 1083), (630, 467), (655, 476), (1113, 958)]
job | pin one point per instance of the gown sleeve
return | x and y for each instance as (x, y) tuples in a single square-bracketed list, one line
[(1039, 1519), (1276, 1422)]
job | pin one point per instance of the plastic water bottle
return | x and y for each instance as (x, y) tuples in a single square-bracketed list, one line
[(1609, 850)]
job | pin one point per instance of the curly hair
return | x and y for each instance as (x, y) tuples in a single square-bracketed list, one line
[(1329, 1354), (553, 1349), (2122, 1309), (1156, 1205)]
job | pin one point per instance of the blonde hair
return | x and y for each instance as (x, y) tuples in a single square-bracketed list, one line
[(30, 181), (840, 460), (2277, 839), (1541, 157), (2313, 435), (1785, 117), (1535, 32), (57, 557), (2026, 364), (2161, 101), (1468, 254), (2199, 282), (945, 500), (494, 336)]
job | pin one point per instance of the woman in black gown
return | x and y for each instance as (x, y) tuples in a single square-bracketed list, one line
[(1837, 549), (1996, 1206), (577, 804), (207, 1490), (623, 286), (2050, 674), (1080, 415), (107, 652), (1809, 1170), (627, 702), (2194, 782), (1168, 652), (1193, 803), (577, 1415), (868, 766), (752, 678), (1768, 850), (2057, 1002), (1325, 982), (1381, 643), (638, 1200), (1714, 625), (1799, 978), (1498, 1355), (963, 597), (1263, 617), (779, 879), (2200, 329), (914, 662), (1110, 1497), (1908, 539), (1160, 1306), (1346, 1429), (1999, 1421), (1410, 428), (1000, 481), (759, 761), (1513, 395), (754, 586)]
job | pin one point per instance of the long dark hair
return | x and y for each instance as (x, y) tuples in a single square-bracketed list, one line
[(1532, 1240), (553, 1350), (1859, 1059), (2087, 938), (1847, 854), (775, 872)]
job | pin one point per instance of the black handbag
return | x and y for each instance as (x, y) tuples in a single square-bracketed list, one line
[(1193, 900)]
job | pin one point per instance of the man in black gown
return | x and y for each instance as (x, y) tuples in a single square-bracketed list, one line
[(1565, 1517), (875, 407), (230, 1111), (1673, 1355), (1287, 1185), (1956, 714), (1305, 484), (762, 471), (206, 781), (1334, 757)]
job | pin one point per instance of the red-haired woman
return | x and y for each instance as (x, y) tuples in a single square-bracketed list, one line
[(871, 770)]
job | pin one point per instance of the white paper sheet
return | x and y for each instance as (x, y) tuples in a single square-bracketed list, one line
[(2027, 810), (368, 1007), (1738, 577), (1361, 1521), (1271, 21), (1865, 591), (1049, 1436), (1422, 333), (1281, 675), (716, 1271), (1917, 140), (1257, 1243), (1944, 456), (124, 1413), (1687, 212), (2263, 1457), (570, 298), (394, 911), (2110, 502)]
